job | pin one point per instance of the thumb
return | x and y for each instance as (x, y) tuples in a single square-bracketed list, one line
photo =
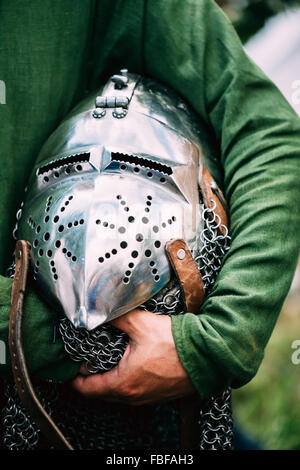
[(129, 321)]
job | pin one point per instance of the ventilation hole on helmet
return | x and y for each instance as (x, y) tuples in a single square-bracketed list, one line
[(49, 253), (38, 229), (136, 169), (64, 250), (107, 255), (128, 273), (67, 203), (56, 174), (131, 265), (47, 209), (68, 170), (70, 224), (112, 226), (149, 174), (123, 167), (139, 237), (114, 251), (169, 221), (154, 271), (156, 278), (74, 258), (125, 280), (75, 223), (69, 254), (123, 244), (147, 209), (81, 221), (41, 252), (149, 197), (46, 179), (140, 161), (61, 228), (173, 218), (46, 236), (53, 270), (155, 228), (57, 243), (52, 263), (56, 219), (105, 224), (164, 225), (148, 203), (62, 209), (35, 243), (134, 254), (122, 229), (78, 167), (152, 263), (162, 180), (47, 218), (157, 244), (98, 221), (55, 277), (131, 219), (145, 220), (126, 209), (70, 198), (123, 203), (37, 263), (148, 253), (100, 259)]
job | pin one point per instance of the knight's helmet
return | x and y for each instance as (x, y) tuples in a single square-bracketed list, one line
[(121, 212), (113, 184)]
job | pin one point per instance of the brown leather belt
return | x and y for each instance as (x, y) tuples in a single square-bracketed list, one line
[(20, 372), (191, 283)]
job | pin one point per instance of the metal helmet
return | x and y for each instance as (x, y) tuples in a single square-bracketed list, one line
[(114, 182)]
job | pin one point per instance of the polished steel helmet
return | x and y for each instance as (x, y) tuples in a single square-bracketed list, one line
[(114, 183)]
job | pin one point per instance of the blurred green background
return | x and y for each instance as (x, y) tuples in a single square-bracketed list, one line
[(267, 409), (248, 16)]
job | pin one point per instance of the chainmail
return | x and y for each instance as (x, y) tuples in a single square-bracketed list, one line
[(104, 425)]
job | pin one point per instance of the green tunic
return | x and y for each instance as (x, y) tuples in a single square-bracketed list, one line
[(53, 52)]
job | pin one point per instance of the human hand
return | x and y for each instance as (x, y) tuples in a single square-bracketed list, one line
[(150, 370)]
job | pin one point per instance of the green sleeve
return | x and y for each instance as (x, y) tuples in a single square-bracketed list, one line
[(43, 77), (192, 46)]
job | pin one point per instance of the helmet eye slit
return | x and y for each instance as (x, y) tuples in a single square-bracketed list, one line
[(78, 158), (140, 161)]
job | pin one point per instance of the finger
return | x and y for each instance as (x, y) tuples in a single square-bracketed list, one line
[(84, 370), (127, 321), (98, 384)]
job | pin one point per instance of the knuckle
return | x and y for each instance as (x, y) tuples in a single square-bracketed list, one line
[(129, 392)]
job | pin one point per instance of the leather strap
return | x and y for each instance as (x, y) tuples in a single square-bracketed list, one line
[(187, 273), (211, 193), (193, 290), (23, 383), (191, 283)]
